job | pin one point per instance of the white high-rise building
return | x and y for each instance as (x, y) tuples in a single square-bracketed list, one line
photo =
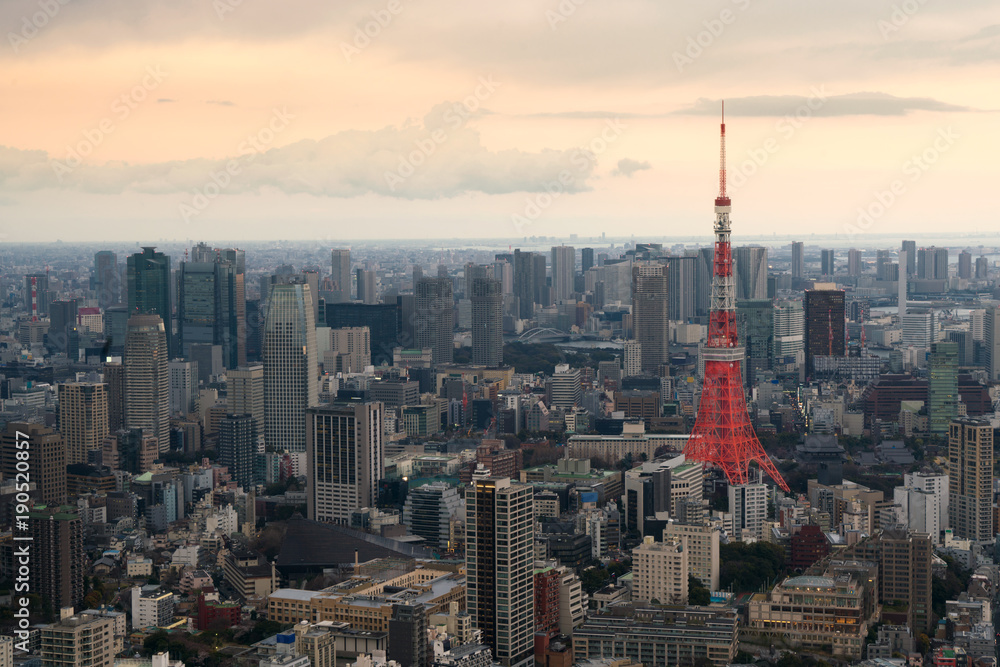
[(147, 382), (748, 505), (500, 536), (566, 390), (932, 483), (350, 349), (245, 391), (183, 385), (563, 271), (660, 571), (919, 329), (920, 510), (346, 458), (290, 367), (789, 330), (340, 274), (702, 542), (633, 358)]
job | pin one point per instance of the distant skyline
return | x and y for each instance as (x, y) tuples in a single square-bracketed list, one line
[(393, 119)]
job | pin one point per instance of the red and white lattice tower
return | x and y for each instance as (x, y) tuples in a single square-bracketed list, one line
[(34, 299), (722, 433)]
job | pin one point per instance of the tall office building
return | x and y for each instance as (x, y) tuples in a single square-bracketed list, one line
[(827, 264), (340, 275), (965, 265), (487, 321), (430, 510), (83, 418), (351, 348), (107, 279), (366, 286), (991, 341), (499, 566), (435, 318), (942, 394), (755, 331), (750, 266), (661, 571), (632, 353), (114, 377), (586, 259), (932, 263), (57, 550), (208, 309), (970, 478), (149, 290), (385, 323), (854, 262), (238, 447), (650, 325), (183, 386), (563, 271), (48, 459), (910, 248), (789, 331), (982, 268), (936, 484), (346, 458), (919, 328), (904, 558), (147, 380), (529, 282), (798, 260), (245, 392), (825, 323), (683, 292), (290, 366), (407, 641), (704, 270), (35, 294)]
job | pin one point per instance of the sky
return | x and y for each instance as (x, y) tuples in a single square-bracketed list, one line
[(387, 119)]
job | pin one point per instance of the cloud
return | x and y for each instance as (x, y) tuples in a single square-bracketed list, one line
[(442, 157), (627, 166), (821, 104)]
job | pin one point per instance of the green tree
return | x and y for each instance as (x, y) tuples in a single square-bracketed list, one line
[(698, 594)]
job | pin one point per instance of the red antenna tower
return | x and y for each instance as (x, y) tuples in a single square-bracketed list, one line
[(722, 433), (34, 299)]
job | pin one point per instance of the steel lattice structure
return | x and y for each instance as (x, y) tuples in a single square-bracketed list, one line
[(722, 433)]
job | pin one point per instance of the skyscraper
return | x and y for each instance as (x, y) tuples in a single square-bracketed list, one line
[(499, 566), (982, 268), (991, 342), (183, 385), (57, 550), (965, 265), (114, 378), (970, 478), (649, 314), (83, 418), (435, 317), (703, 280), (750, 266), (48, 459), (825, 323), (682, 295), (487, 321), (932, 263), (290, 366), (789, 331), (586, 259), (238, 447), (208, 305), (563, 271), (529, 282), (942, 394), (147, 380), (149, 289), (798, 260), (366, 286), (854, 262), (346, 458), (755, 325), (429, 511), (827, 265), (107, 280), (245, 392), (340, 264), (910, 248)]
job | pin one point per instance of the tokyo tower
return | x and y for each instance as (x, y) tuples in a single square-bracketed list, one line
[(722, 433)]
